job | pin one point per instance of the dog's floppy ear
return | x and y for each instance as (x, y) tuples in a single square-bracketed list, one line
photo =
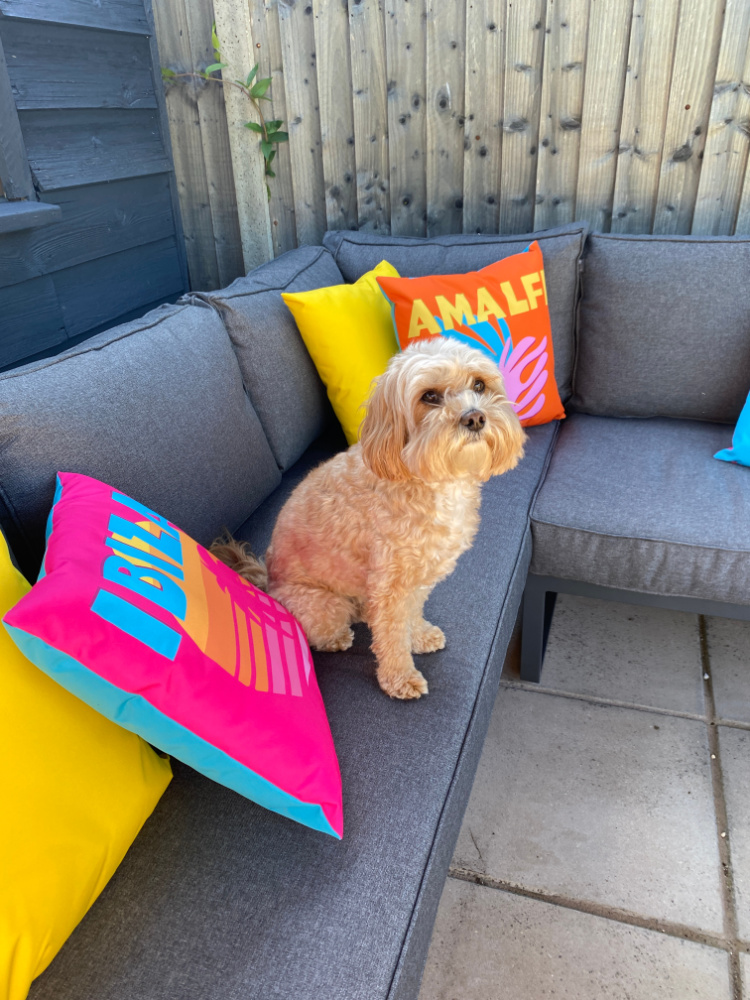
[(383, 433)]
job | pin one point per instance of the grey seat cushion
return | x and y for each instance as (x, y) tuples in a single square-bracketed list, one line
[(414, 257), (155, 408), (221, 899), (664, 327), (642, 505), (279, 374)]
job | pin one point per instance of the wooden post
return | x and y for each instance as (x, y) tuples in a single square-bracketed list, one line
[(237, 49)]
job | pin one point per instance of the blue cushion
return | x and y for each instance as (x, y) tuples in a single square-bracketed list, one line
[(739, 453)]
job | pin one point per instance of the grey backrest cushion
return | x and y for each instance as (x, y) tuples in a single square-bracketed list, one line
[(279, 374), (664, 327), (413, 257), (155, 408)]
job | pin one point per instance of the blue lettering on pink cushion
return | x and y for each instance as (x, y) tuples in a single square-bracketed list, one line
[(136, 623)]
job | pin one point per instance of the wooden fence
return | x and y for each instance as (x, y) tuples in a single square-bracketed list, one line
[(423, 117)]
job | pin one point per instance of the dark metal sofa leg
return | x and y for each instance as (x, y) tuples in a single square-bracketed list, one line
[(538, 608)]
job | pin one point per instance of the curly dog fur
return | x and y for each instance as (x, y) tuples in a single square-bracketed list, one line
[(368, 534)]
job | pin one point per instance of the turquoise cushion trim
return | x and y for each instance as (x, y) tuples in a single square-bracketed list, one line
[(133, 712), (58, 494)]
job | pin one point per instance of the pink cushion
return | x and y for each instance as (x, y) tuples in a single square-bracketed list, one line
[(145, 625)]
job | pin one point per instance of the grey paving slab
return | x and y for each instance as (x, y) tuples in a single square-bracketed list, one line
[(729, 655), (642, 656), (491, 945), (734, 750), (600, 803)]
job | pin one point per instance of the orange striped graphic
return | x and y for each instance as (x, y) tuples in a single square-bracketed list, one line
[(246, 663)]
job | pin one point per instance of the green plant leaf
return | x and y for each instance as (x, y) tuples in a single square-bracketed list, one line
[(266, 149), (269, 172), (214, 37), (214, 66), (167, 73), (260, 87), (270, 157), (268, 192), (272, 126), (279, 137), (254, 127), (251, 75)]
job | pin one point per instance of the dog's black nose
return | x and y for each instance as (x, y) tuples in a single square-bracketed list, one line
[(474, 420)]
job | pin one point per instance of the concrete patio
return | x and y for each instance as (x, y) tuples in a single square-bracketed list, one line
[(605, 851)]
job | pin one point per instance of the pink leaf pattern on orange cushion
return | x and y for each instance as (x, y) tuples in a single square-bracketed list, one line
[(525, 393)]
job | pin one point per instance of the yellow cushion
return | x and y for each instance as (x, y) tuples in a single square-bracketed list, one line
[(348, 332), (75, 790)]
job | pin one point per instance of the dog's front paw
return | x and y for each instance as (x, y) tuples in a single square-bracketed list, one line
[(334, 644), (404, 685), (427, 638)]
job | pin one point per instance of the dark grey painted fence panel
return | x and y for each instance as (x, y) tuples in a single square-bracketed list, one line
[(58, 66), (98, 220), (30, 319), (101, 291), (115, 15), (86, 146)]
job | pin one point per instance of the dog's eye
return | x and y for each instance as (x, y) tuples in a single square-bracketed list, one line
[(432, 397), (479, 386)]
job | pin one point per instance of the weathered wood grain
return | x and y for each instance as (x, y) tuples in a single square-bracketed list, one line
[(407, 140), (561, 112), (693, 74), (742, 226), (19, 215), (725, 155), (331, 24), (14, 166), (524, 52), (268, 47), (370, 90), (144, 274), (238, 50), (86, 146), (70, 67), (606, 62), (445, 71), (644, 113), (217, 152), (115, 15), (30, 320), (305, 147), (95, 221), (483, 113), (185, 128)]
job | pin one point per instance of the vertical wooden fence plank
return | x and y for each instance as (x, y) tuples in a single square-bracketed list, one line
[(606, 62), (562, 110), (336, 114), (693, 74), (524, 53), (298, 54), (217, 155), (483, 128), (235, 38), (265, 22), (370, 87), (445, 77), (407, 142), (644, 113), (742, 226), (726, 152), (170, 18)]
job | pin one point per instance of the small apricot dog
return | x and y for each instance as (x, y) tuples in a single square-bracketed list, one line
[(368, 534)]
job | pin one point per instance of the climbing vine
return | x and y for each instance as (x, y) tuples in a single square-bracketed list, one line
[(256, 90)]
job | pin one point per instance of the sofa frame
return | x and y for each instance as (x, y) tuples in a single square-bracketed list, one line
[(540, 596)]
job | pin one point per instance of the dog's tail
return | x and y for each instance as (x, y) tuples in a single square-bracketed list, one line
[(239, 557)]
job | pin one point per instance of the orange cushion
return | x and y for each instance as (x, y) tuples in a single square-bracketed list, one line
[(501, 310)]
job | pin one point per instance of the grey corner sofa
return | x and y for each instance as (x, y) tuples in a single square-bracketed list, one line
[(211, 411)]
